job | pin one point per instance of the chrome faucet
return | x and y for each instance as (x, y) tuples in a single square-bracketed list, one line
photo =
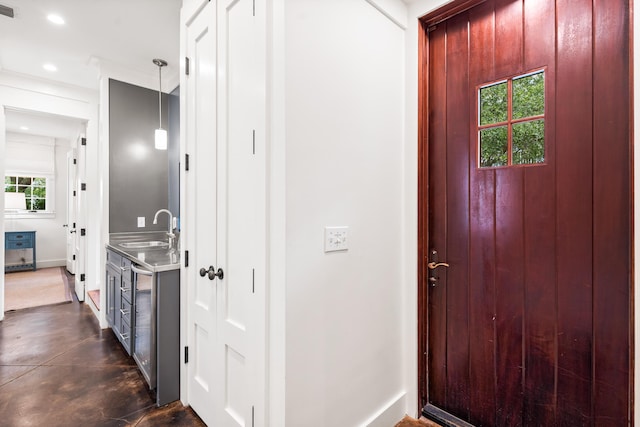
[(170, 233)]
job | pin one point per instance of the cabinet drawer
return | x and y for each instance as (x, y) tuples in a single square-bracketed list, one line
[(19, 240), (124, 335), (19, 244), (114, 259), (125, 311), (125, 267), (125, 291), (125, 327), (20, 237)]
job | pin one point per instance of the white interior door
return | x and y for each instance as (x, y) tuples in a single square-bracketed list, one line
[(240, 179), (200, 226), (71, 211), (225, 229), (81, 209)]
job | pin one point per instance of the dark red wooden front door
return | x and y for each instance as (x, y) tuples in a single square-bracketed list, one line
[(530, 323)]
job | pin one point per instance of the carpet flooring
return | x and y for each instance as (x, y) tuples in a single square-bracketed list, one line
[(45, 286)]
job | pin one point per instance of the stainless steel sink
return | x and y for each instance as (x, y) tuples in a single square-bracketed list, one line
[(144, 245)]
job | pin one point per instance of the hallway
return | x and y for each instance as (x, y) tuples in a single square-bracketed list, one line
[(58, 368)]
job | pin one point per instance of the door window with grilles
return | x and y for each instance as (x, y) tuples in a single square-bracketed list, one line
[(511, 117)]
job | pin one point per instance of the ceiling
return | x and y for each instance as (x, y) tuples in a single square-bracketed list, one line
[(123, 33), (42, 124), (118, 34)]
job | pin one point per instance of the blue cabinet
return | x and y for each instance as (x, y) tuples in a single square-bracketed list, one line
[(20, 240)]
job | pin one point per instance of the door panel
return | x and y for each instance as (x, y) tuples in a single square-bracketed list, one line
[(457, 161), (510, 286), (81, 215), (529, 325), (540, 239), (437, 157), (611, 214), (71, 211), (201, 198), (226, 211), (237, 207), (575, 187)]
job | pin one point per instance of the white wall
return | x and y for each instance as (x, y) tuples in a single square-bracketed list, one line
[(51, 247), (344, 123)]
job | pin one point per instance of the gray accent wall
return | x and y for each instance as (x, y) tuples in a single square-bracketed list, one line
[(174, 151), (138, 173)]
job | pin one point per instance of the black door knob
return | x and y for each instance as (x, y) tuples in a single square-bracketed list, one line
[(212, 273)]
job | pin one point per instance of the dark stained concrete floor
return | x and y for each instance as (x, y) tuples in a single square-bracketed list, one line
[(58, 368)]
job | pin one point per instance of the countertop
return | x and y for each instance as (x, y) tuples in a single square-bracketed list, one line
[(152, 259)]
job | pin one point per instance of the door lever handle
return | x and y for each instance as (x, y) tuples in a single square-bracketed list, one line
[(212, 273), (434, 265)]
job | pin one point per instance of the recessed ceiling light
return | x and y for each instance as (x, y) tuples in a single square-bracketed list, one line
[(56, 19), (50, 67), (24, 128)]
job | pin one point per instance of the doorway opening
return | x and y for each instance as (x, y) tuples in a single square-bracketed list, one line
[(40, 207)]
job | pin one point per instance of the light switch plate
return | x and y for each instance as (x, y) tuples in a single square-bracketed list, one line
[(141, 222), (336, 239)]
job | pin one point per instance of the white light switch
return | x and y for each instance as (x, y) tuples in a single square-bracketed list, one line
[(335, 239), (141, 222)]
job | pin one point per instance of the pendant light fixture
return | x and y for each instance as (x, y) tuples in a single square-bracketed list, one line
[(161, 134)]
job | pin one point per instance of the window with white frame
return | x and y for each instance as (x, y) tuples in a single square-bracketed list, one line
[(34, 189), (29, 176)]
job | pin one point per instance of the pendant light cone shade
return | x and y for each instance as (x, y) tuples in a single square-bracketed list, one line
[(161, 134)]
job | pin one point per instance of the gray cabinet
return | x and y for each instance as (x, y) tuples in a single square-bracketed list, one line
[(120, 302), (143, 310)]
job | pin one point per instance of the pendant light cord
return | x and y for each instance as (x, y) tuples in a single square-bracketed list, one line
[(160, 63), (160, 93)]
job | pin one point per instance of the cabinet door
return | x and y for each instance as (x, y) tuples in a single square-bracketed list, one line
[(111, 283)]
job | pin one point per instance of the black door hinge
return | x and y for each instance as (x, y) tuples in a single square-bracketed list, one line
[(74, 257), (74, 225), (82, 277), (186, 354), (186, 258), (186, 65), (74, 193), (186, 162), (83, 141), (75, 161), (83, 186), (83, 231)]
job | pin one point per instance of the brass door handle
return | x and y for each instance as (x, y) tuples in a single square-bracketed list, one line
[(434, 265)]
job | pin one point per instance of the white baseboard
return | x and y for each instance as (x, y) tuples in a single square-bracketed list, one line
[(391, 413), (51, 263)]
